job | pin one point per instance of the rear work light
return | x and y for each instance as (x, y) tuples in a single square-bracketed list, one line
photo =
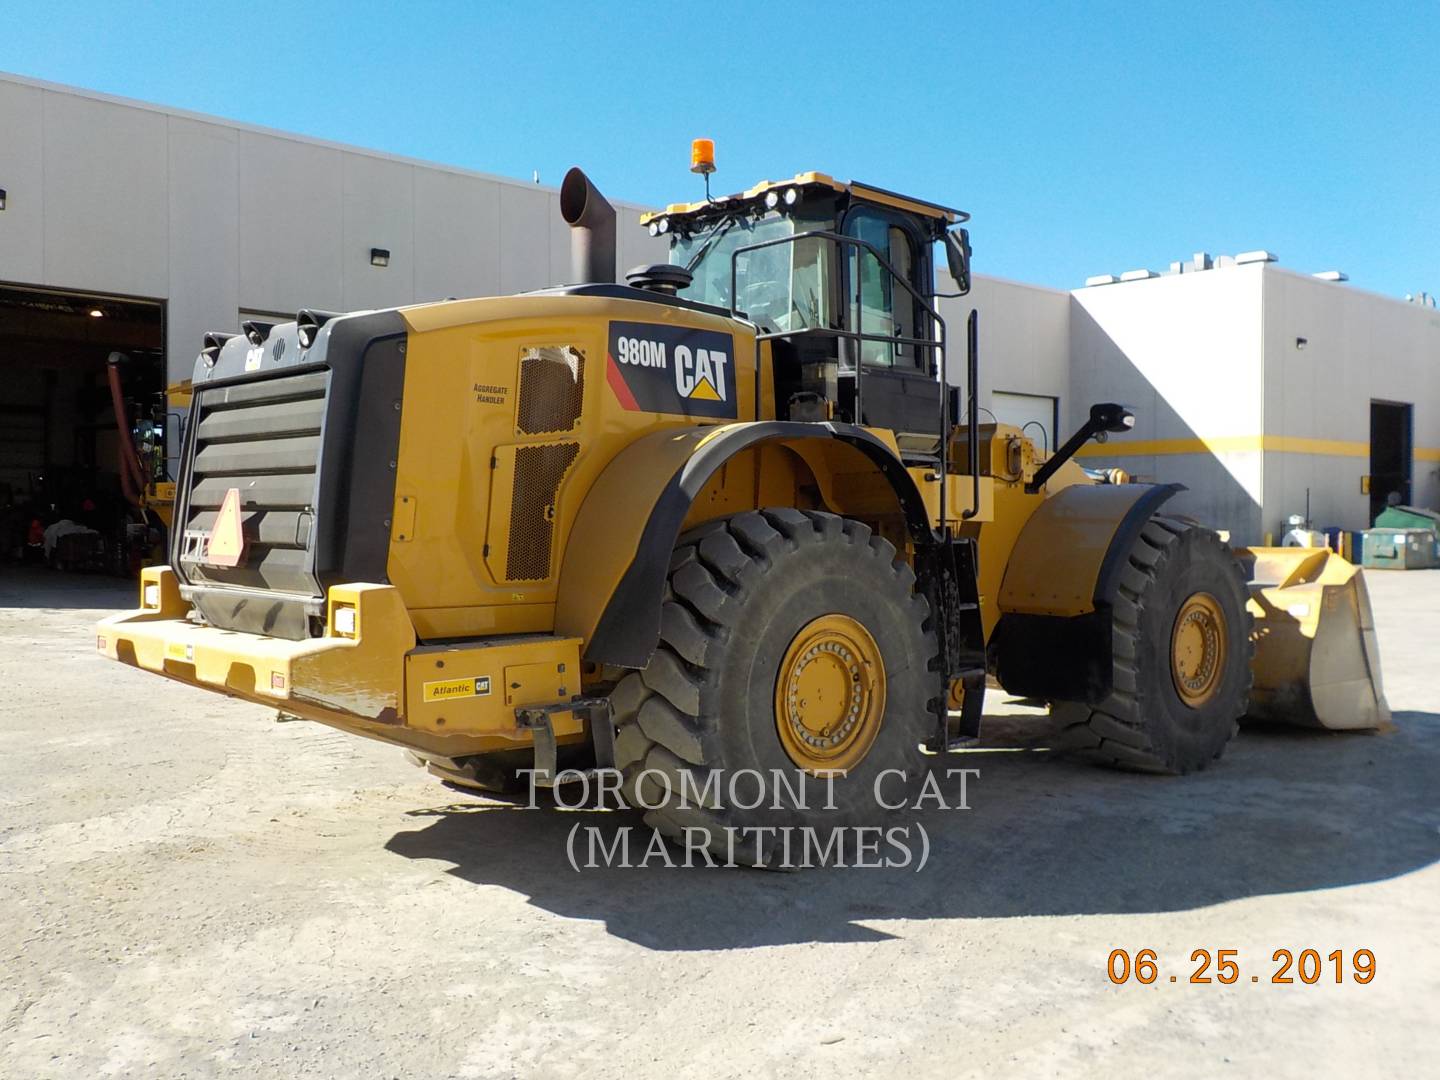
[(343, 621)]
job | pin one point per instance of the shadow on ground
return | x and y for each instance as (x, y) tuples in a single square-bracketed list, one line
[(1285, 811), (40, 588)]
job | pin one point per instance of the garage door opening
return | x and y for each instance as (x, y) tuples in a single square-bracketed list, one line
[(71, 492), (1390, 454), (1037, 415)]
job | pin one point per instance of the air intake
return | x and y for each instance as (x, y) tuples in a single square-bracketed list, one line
[(538, 472), (552, 389)]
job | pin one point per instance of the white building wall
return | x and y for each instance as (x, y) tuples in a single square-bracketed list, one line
[(107, 185), (113, 196), (22, 175), (212, 217), (1024, 340), (204, 224), (1183, 351), (1359, 346)]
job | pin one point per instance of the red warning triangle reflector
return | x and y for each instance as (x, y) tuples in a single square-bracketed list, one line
[(227, 537)]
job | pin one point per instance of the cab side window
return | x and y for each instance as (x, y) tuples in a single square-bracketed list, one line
[(885, 307)]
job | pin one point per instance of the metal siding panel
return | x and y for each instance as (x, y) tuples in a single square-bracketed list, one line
[(378, 213), (106, 196), (22, 225), (291, 224), (204, 237)]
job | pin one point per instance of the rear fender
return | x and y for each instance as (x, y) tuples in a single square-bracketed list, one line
[(612, 577)]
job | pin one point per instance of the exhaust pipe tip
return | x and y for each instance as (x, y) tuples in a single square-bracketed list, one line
[(592, 229), (580, 198)]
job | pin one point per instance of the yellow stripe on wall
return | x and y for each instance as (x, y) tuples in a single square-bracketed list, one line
[(1237, 444)]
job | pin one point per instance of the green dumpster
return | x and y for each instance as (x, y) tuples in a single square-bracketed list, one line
[(1401, 549), (1408, 517)]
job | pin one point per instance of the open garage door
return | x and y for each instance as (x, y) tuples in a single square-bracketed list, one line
[(63, 500)]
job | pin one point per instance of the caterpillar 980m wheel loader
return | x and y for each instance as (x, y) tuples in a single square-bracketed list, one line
[(729, 515)]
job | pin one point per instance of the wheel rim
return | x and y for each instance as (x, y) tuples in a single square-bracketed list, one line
[(1198, 649), (830, 695)]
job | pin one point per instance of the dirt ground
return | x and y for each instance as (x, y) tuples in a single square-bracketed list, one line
[(191, 889)]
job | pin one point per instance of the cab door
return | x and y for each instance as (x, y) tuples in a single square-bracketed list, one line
[(895, 379)]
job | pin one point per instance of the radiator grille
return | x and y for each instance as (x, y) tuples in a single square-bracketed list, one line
[(538, 472), (552, 388), (262, 439)]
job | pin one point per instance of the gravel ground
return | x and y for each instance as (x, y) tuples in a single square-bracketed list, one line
[(192, 889)]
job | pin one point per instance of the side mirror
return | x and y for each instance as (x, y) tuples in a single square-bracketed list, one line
[(957, 255), (1112, 418)]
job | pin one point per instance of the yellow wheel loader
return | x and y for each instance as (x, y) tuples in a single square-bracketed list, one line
[(729, 516)]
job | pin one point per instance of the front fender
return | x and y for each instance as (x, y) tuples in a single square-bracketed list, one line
[(612, 577), (1053, 640)]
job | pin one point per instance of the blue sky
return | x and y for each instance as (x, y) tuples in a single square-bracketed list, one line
[(1085, 138)]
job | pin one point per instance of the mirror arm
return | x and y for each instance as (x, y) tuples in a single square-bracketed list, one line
[(1104, 417)]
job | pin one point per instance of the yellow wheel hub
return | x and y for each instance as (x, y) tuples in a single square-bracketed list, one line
[(1198, 649), (830, 694)]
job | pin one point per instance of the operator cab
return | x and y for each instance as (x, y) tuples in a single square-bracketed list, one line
[(793, 257)]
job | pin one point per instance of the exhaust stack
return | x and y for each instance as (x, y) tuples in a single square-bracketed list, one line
[(592, 230)]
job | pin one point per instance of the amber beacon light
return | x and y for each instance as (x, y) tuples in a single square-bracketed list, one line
[(702, 156)]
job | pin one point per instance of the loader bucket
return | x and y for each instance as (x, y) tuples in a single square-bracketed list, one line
[(1317, 663)]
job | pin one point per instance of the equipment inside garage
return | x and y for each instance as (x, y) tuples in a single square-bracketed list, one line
[(73, 480)]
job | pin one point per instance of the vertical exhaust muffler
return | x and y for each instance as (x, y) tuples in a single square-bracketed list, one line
[(592, 230)]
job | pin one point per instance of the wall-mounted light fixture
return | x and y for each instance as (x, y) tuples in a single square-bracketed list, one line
[(1301, 342), (2, 198), (96, 313), (379, 256)]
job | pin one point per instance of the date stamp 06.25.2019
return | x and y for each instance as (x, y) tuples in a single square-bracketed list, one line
[(1226, 967)]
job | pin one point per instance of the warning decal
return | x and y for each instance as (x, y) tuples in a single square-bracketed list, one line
[(672, 369), (227, 537)]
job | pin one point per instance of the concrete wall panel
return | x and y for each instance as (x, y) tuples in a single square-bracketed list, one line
[(457, 235), (204, 242), (526, 224), (1184, 352), (1024, 340), (291, 224), (106, 196), (22, 175), (379, 213)]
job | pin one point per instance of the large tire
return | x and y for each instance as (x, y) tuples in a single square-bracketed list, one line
[(740, 591), (1164, 714)]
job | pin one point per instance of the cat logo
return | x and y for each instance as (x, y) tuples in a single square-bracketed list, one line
[(669, 369), (701, 375)]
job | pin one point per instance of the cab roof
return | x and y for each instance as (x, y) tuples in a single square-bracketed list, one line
[(856, 190)]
